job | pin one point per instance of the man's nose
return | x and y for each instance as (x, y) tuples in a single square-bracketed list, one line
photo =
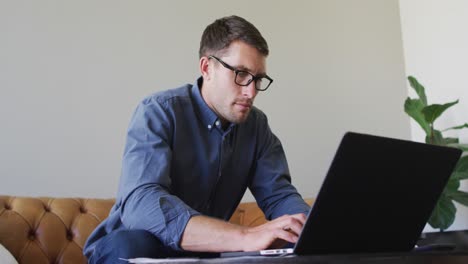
[(249, 91)]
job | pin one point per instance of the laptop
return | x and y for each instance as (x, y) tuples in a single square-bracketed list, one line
[(377, 197)]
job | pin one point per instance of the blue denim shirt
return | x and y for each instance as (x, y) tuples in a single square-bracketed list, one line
[(179, 162)]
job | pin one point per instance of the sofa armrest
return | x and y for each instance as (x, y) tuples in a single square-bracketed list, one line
[(249, 214)]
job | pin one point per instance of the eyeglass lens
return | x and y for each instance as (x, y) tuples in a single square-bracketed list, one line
[(245, 78)]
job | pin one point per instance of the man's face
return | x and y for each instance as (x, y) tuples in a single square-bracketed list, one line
[(230, 101)]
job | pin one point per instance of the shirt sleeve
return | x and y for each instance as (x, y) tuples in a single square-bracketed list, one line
[(271, 182), (145, 191)]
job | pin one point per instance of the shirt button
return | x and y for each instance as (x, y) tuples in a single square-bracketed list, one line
[(209, 126), (217, 123)]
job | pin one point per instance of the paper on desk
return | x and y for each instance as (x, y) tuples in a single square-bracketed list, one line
[(165, 260)]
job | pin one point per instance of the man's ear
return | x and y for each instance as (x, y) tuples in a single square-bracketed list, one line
[(205, 68)]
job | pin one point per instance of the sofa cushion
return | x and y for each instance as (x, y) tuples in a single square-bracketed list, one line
[(6, 257)]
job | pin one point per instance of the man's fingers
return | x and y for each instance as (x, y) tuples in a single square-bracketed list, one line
[(286, 228), (287, 236), (291, 223), (301, 217)]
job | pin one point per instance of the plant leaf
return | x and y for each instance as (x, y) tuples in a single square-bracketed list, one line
[(435, 138), (444, 213), (450, 140), (457, 127), (463, 147), (452, 185), (419, 89), (461, 169), (460, 197), (413, 107), (460, 175), (432, 112)]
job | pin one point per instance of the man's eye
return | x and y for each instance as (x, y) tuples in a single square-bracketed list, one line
[(243, 74)]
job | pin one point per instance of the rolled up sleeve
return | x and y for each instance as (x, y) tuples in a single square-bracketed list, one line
[(271, 182), (145, 190)]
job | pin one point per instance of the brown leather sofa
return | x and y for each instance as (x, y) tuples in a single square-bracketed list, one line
[(54, 230)]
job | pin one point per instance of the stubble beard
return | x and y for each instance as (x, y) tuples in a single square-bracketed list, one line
[(238, 117)]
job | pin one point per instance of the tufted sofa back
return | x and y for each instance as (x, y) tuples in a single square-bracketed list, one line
[(49, 230)]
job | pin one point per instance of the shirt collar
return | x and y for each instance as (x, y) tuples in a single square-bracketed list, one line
[(208, 117)]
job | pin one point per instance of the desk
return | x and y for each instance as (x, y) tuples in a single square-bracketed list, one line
[(457, 256), (426, 258), (420, 259)]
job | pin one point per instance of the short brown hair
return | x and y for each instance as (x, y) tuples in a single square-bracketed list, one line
[(222, 32)]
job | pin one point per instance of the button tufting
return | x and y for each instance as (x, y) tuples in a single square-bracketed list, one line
[(7, 207), (83, 210), (69, 235), (46, 208), (31, 235)]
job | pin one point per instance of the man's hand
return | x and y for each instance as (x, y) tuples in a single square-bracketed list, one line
[(274, 234), (212, 235)]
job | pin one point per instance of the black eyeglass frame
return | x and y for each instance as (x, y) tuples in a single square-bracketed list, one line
[(237, 71)]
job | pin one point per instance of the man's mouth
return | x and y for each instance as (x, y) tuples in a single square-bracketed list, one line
[(244, 105)]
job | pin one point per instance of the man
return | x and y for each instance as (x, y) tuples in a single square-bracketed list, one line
[(191, 152)]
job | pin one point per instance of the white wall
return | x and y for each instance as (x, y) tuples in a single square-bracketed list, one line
[(435, 44), (71, 73)]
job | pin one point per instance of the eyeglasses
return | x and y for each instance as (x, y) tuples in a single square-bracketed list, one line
[(244, 78)]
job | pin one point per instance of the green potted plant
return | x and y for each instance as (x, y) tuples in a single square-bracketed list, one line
[(425, 115)]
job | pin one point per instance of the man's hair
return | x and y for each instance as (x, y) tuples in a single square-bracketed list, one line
[(222, 32)]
